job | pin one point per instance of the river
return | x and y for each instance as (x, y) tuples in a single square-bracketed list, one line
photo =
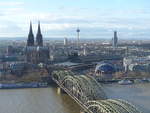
[(48, 100), (137, 94)]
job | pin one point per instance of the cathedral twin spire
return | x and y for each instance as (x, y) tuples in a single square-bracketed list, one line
[(39, 37), (30, 41)]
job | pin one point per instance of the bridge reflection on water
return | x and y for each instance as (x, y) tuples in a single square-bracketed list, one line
[(89, 94)]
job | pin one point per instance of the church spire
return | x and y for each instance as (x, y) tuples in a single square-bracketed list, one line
[(30, 31), (30, 41), (39, 28), (39, 38)]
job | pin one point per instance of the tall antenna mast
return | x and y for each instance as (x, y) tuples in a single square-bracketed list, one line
[(78, 36)]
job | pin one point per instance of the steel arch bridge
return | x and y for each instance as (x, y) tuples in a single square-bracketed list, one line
[(81, 86), (111, 106), (89, 94)]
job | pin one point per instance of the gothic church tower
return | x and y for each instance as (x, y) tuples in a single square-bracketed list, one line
[(30, 40), (39, 37)]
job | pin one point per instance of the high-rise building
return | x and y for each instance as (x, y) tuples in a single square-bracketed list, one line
[(30, 40), (84, 50), (65, 41), (10, 50), (115, 39)]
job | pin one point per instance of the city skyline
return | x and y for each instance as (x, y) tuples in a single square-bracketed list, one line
[(95, 18)]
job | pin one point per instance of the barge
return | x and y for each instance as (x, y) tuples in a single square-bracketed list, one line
[(23, 85)]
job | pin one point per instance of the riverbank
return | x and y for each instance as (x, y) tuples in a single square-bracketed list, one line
[(132, 80), (23, 85)]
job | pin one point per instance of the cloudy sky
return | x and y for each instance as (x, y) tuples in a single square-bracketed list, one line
[(60, 18)]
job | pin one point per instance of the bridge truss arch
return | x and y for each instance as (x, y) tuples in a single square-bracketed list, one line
[(84, 87), (111, 106)]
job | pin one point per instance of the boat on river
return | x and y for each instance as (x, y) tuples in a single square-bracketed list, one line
[(125, 82), (22, 85)]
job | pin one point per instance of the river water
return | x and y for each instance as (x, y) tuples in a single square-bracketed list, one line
[(137, 94), (48, 100)]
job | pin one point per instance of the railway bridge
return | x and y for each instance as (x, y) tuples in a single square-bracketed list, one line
[(89, 94)]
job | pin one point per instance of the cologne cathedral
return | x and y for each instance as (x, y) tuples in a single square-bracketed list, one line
[(36, 52)]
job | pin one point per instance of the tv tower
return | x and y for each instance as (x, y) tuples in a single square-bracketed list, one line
[(78, 36)]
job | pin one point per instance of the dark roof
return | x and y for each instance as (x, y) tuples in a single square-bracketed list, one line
[(105, 67)]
